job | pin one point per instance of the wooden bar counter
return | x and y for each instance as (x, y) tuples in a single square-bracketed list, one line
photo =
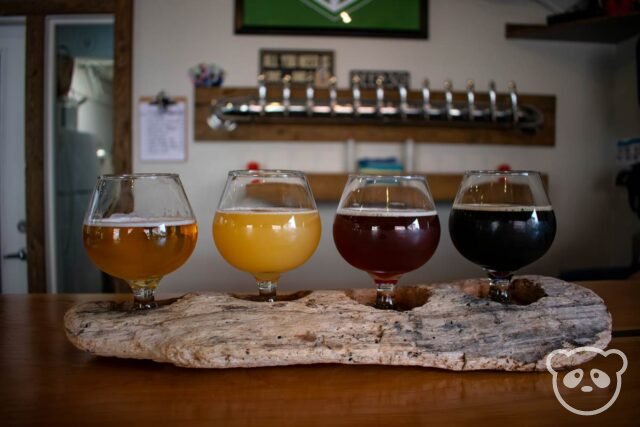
[(46, 381)]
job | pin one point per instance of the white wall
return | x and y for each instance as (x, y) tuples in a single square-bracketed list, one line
[(466, 39)]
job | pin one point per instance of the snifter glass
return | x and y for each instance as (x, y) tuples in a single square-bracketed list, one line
[(386, 226), (502, 221), (266, 224), (139, 228)]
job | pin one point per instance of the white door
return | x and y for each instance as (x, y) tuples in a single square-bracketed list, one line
[(12, 163)]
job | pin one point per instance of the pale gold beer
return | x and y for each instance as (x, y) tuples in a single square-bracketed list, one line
[(140, 249)]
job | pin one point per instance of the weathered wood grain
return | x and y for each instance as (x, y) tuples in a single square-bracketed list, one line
[(457, 328)]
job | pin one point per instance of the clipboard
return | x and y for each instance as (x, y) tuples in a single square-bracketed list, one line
[(162, 125)]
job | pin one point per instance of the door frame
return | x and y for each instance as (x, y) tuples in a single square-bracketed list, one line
[(14, 29), (36, 12), (53, 22)]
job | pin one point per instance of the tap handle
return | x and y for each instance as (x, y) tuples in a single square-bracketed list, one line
[(492, 100), (262, 93), (310, 93), (355, 88), (379, 94), (448, 94), (426, 99), (402, 92), (471, 99), (333, 94), (513, 96), (286, 94)]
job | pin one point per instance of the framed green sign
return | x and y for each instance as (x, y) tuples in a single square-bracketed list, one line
[(368, 18)]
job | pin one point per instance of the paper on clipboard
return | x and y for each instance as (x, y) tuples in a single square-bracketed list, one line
[(163, 131)]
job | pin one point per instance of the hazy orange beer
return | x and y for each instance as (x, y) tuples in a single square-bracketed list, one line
[(266, 243), (266, 223)]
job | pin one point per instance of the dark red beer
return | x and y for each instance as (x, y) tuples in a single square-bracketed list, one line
[(502, 238), (386, 244)]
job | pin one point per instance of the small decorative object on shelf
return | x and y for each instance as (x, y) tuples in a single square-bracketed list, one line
[(382, 166), (206, 75), (252, 166), (386, 106)]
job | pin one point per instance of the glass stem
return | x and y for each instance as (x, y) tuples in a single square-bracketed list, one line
[(267, 290), (143, 293), (385, 291), (500, 286)]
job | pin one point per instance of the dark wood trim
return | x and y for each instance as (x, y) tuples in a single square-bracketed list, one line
[(57, 7), (328, 187), (601, 29), (34, 152), (36, 12), (122, 96), (122, 91), (421, 33)]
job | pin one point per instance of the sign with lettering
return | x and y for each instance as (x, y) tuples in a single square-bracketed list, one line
[(392, 79)]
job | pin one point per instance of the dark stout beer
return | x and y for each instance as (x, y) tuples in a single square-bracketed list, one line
[(502, 238)]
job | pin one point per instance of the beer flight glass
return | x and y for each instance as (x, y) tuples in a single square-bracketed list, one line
[(502, 221), (386, 226), (266, 224), (139, 228)]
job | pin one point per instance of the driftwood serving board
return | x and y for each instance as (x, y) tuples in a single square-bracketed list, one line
[(452, 326)]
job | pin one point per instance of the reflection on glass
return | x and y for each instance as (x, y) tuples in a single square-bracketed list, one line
[(502, 221), (386, 226), (267, 223), (82, 142)]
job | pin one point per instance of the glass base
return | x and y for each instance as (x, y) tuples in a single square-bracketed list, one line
[(143, 293), (500, 286), (384, 295), (267, 290)]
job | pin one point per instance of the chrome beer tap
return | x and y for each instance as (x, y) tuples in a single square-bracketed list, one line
[(333, 95), (471, 100), (492, 101), (448, 95), (426, 99), (262, 94), (286, 94), (379, 95), (310, 96), (513, 96), (402, 92), (355, 89)]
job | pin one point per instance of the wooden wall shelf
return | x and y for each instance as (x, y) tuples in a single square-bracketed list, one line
[(606, 29), (448, 132), (327, 187)]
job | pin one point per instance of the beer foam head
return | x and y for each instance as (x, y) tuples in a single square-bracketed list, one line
[(385, 212), (268, 210), (124, 220), (500, 207)]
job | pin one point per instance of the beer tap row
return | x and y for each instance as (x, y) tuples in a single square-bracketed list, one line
[(387, 105)]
